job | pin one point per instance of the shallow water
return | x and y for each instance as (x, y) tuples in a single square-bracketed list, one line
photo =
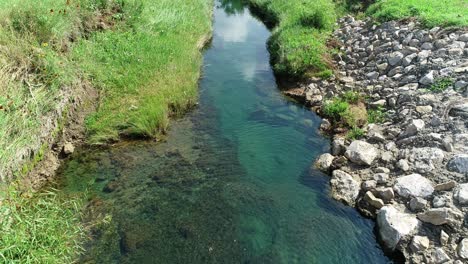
[(232, 183)]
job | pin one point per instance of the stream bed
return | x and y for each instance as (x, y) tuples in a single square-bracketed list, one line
[(231, 183)]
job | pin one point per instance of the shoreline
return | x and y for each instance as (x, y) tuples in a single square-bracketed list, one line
[(410, 170)]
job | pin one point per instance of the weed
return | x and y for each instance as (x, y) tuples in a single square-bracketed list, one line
[(335, 109), (376, 116), (355, 133), (352, 97), (441, 85)]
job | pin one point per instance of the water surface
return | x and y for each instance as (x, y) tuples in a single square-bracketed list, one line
[(232, 183)]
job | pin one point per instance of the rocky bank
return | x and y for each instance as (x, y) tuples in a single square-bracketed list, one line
[(410, 172)]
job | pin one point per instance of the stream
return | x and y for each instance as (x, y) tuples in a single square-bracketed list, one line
[(231, 183)]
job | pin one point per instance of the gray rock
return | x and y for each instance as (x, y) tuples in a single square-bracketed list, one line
[(462, 249), (441, 216), (459, 163), (413, 185), (460, 109), (372, 75), (394, 225), (461, 194), (403, 165), (461, 84), (395, 58), (419, 243), (445, 186), (427, 46), (386, 194), (425, 159), (373, 201), (325, 125), (417, 204), (424, 109), (414, 127), (443, 200), (324, 162), (463, 37), (344, 187), (361, 152), (440, 256), (382, 67), (369, 185), (427, 79), (381, 178), (338, 146)]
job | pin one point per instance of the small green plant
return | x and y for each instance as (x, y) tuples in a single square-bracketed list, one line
[(335, 109), (376, 116), (441, 85), (355, 133), (351, 97)]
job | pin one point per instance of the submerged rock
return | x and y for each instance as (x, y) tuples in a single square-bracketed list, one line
[(394, 225)]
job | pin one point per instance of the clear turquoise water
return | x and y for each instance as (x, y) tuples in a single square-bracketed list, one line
[(232, 183)]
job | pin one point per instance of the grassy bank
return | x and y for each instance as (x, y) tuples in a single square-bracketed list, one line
[(142, 56), (301, 29), (430, 12)]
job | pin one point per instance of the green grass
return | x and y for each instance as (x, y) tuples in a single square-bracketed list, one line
[(430, 12), (144, 58), (147, 69), (298, 44), (39, 228), (355, 133)]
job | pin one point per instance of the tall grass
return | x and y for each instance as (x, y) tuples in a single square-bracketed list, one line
[(147, 69), (298, 44), (430, 12), (144, 58), (39, 228)]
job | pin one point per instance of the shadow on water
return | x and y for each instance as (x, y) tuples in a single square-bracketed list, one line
[(231, 184)]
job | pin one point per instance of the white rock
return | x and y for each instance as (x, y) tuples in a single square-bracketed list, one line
[(403, 165), (413, 185), (361, 152), (324, 162), (425, 159), (427, 79), (344, 187), (463, 249), (394, 225), (461, 194), (444, 237), (419, 243), (459, 163), (441, 216)]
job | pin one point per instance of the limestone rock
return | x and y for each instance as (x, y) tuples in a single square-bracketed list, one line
[(419, 243), (441, 216), (427, 79), (344, 187), (413, 185), (395, 58), (373, 201), (461, 194), (417, 204), (444, 237), (361, 152), (324, 162), (440, 256), (445, 186), (463, 249), (414, 127), (394, 225)]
